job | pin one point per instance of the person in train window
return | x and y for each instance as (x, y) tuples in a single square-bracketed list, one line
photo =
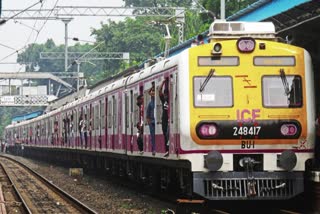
[(164, 98), (151, 119), (140, 124)]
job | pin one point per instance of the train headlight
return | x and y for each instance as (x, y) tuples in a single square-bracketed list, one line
[(207, 130), (287, 160), (246, 45), (217, 49), (213, 161), (288, 129)]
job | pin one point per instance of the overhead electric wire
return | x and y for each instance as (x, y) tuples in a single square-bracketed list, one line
[(24, 10), (38, 31), (12, 17), (6, 46), (46, 20)]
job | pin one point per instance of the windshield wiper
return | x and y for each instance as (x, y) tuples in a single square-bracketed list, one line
[(203, 85), (284, 82)]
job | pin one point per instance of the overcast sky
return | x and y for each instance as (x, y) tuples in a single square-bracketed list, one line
[(17, 34)]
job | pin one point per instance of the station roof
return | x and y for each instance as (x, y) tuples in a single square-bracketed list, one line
[(27, 116), (284, 14)]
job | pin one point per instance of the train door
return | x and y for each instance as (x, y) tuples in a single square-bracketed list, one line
[(50, 131), (126, 120), (105, 136), (63, 129), (174, 114), (130, 125), (109, 122), (113, 121), (78, 127), (99, 121), (102, 122), (90, 126), (162, 112), (85, 127), (74, 127), (149, 140), (119, 141), (94, 125), (97, 125)]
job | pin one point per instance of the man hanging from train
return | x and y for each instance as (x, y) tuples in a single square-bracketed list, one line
[(84, 130), (140, 123), (164, 98), (151, 120)]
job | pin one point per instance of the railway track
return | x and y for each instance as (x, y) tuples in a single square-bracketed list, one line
[(32, 193), (233, 207)]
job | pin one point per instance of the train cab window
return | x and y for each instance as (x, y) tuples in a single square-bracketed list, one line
[(213, 92), (280, 93)]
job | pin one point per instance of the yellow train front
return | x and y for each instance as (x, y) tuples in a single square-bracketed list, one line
[(247, 104)]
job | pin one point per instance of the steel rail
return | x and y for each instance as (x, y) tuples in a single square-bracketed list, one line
[(79, 205)]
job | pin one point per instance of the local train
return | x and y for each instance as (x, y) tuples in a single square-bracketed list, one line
[(239, 124)]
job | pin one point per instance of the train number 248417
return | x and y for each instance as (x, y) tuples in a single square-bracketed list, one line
[(243, 130)]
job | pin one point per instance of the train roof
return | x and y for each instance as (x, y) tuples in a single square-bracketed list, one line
[(229, 30)]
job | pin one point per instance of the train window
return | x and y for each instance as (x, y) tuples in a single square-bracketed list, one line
[(115, 112), (96, 114), (275, 95), (216, 91), (126, 109), (135, 110), (131, 109), (218, 61), (109, 114), (274, 61), (103, 112)]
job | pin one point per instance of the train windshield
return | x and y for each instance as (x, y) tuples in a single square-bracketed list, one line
[(216, 93), (275, 95)]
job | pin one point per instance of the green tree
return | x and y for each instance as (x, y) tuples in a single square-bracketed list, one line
[(232, 6), (157, 3), (137, 36)]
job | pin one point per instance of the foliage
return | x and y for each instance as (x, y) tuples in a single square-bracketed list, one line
[(232, 6), (7, 113), (137, 36), (157, 3)]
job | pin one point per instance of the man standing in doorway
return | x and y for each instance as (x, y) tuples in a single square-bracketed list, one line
[(164, 97), (140, 123), (151, 120)]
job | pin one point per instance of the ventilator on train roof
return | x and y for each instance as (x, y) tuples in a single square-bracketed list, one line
[(230, 30)]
